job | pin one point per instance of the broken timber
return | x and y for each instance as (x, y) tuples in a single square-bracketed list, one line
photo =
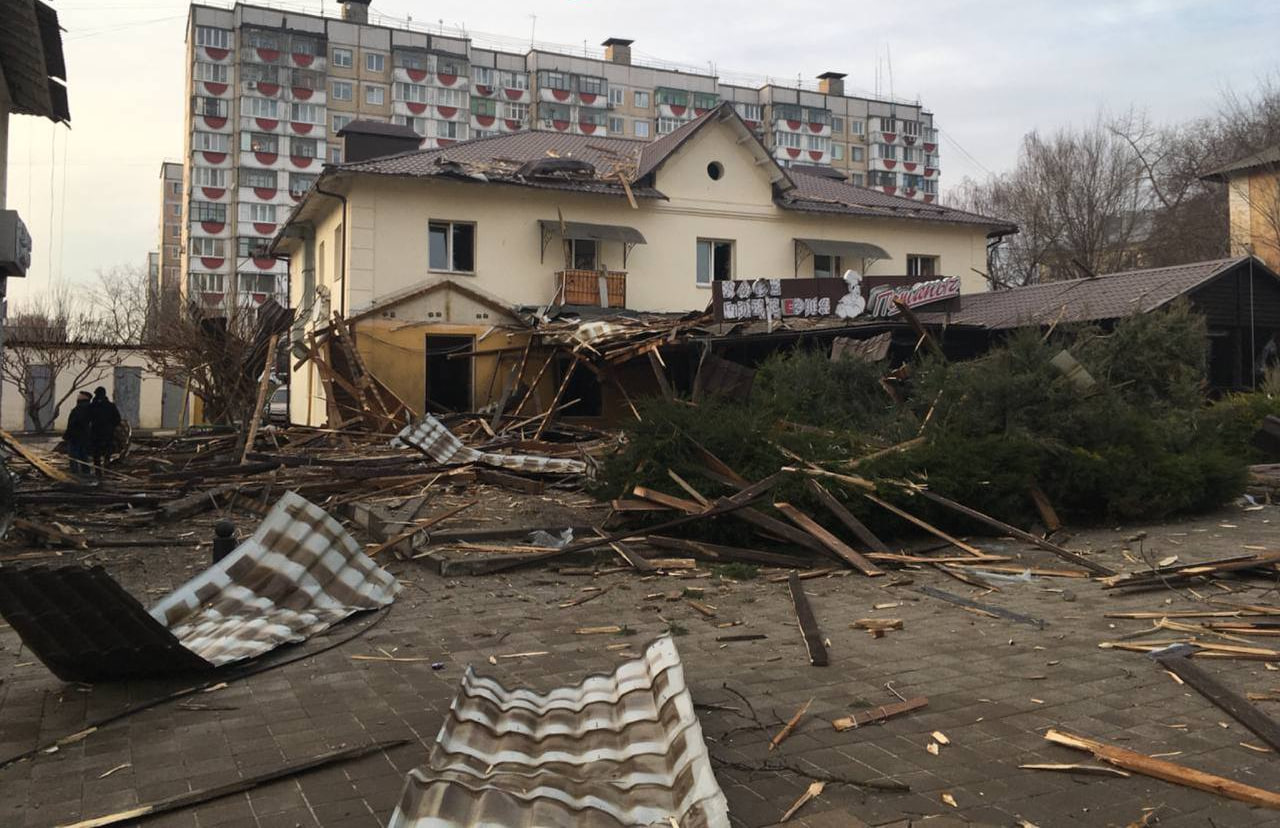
[(1175, 661), (990, 609), (847, 518), (41, 465), (833, 544), (879, 714), (926, 526), (808, 624)]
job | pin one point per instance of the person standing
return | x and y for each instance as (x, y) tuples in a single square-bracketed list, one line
[(104, 417), (79, 434)]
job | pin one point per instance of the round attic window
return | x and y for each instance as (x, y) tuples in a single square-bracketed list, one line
[(715, 170)]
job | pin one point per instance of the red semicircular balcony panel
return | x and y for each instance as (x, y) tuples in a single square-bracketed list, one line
[(301, 161), (215, 53), (446, 79), (816, 155), (560, 125), (264, 193), (266, 157), (301, 128), (264, 262), (513, 94), (889, 190), (910, 192), (268, 89), (485, 120), (909, 166), (302, 94), (587, 98), (212, 298), (269, 55), (212, 226), (214, 121), (890, 137), (929, 171), (416, 108), (928, 198), (259, 298), (587, 129), (794, 126), (889, 163), (214, 157), (753, 124), (678, 111), (266, 228), (266, 124), (444, 142), (698, 113), (215, 88), (815, 128), (794, 152), (483, 91), (416, 75), (211, 262), (560, 94), (303, 60), (512, 125), (447, 112), (930, 147), (213, 193)]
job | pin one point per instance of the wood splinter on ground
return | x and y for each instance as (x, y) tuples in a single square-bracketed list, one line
[(879, 714), (789, 726), (815, 789), (877, 626)]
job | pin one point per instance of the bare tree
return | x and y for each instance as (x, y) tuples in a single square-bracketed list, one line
[(54, 347), (124, 303)]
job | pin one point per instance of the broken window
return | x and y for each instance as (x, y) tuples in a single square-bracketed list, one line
[(451, 246), (715, 261), (584, 254), (826, 267), (922, 266)]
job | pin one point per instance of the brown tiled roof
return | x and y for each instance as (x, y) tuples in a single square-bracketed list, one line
[(1112, 296), (366, 127), (823, 194), (1268, 157), (655, 152)]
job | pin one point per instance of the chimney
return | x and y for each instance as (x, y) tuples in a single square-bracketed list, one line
[(618, 50), (831, 83), (355, 11)]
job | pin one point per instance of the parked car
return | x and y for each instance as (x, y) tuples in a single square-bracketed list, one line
[(278, 408)]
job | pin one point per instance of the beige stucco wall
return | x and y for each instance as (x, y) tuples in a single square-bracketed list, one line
[(12, 404)]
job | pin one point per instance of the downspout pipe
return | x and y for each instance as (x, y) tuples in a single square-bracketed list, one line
[(342, 252)]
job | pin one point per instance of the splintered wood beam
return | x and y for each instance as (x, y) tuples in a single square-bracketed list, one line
[(989, 609), (420, 527), (926, 526), (808, 624), (775, 527), (1167, 771), (833, 544), (1048, 514), (41, 465), (264, 383), (1222, 697), (847, 518), (532, 391), (660, 374), (670, 501), (879, 714), (564, 384)]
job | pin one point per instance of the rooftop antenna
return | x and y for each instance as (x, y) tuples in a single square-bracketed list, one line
[(888, 53), (533, 28)]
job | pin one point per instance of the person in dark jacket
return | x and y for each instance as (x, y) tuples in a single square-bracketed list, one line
[(104, 417), (79, 434)]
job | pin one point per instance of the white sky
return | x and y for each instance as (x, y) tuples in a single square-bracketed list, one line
[(991, 70)]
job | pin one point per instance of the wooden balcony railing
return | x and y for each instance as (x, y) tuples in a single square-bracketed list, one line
[(583, 287)]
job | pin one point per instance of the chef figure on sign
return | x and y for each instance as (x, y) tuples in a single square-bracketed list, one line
[(851, 304)]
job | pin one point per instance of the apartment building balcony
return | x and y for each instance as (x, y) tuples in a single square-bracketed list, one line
[(886, 164), (213, 89), (263, 195), (203, 192), (305, 129), (305, 163), (306, 94), (261, 159), (801, 156), (213, 120), (410, 109), (213, 54), (556, 96), (315, 63), (585, 287), (479, 121), (681, 112), (448, 80), (501, 93), (404, 74), (209, 158), (595, 100), (211, 229), (254, 123)]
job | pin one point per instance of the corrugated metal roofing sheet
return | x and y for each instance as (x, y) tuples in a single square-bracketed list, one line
[(431, 437), (624, 749), (822, 194), (297, 575)]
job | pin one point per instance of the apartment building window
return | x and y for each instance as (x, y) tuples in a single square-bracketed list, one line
[(255, 39), (817, 116), (616, 95), (210, 177), (857, 127), (931, 160), (304, 148), (787, 139), (550, 113), (671, 97), (260, 107), (258, 282), (750, 112), (255, 73), (555, 80), (208, 248), (857, 154), (516, 112), (715, 261), (410, 60), (375, 95), (450, 97), (375, 62), (486, 107), (483, 75), (885, 151), (911, 155), (787, 112), (588, 85), (247, 247), (341, 91), (881, 178), (299, 45), (858, 180), (176, 209), (837, 124), (211, 142), (837, 152), (583, 253), (922, 266), (451, 246), (215, 38), (826, 267), (640, 99), (616, 126), (208, 211), (931, 135), (340, 121), (342, 58), (451, 129), (259, 142), (206, 283), (299, 183), (930, 186), (418, 125), (212, 72), (445, 65), (173, 230), (817, 143), (641, 128), (911, 128), (259, 179), (668, 125), (209, 107), (305, 113), (514, 80), (262, 213), (175, 187), (705, 100)]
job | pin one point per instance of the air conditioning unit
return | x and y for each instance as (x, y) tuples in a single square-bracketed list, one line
[(251, 85)]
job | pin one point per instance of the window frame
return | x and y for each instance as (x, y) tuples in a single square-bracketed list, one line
[(346, 85), (450, 236), (381, 60), (834, 266), (641, 95), (347, 61), (641, 128), (333, 121), (711, 245), (915, 260), (376, 90), (617, 96), (205, 36)]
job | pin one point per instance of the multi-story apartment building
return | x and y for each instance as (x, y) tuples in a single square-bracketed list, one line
[(169, 249), (270, 89)]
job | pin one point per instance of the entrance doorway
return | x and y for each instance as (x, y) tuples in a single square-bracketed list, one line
[(448, 380)]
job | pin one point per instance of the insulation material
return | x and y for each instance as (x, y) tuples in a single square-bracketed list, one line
[(431, 437), (617, 750)]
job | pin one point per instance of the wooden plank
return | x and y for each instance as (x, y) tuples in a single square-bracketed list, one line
[(1167, 771), (719, 553), (494, 477), (670, 501), (408, 534), (991, 609), (684, 484), (623, 505), (660, 375), (808, 624), (1049, 546), (264, 383), (779, 529), (41, 465), (532, 391), (880, 714), (1047, 513), (925, 525), (1222, 697), (718, 466), (847, 518), (555, 401), (833, 544)]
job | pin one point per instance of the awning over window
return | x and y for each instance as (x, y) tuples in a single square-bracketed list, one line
[(598, 232), (846, 249)]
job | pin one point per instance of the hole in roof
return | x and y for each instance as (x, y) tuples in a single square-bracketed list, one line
[(715, 170)]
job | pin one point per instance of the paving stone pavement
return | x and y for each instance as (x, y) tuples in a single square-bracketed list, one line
[(994, 687)]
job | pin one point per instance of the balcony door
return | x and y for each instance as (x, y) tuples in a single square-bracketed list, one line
[(584, 253)]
